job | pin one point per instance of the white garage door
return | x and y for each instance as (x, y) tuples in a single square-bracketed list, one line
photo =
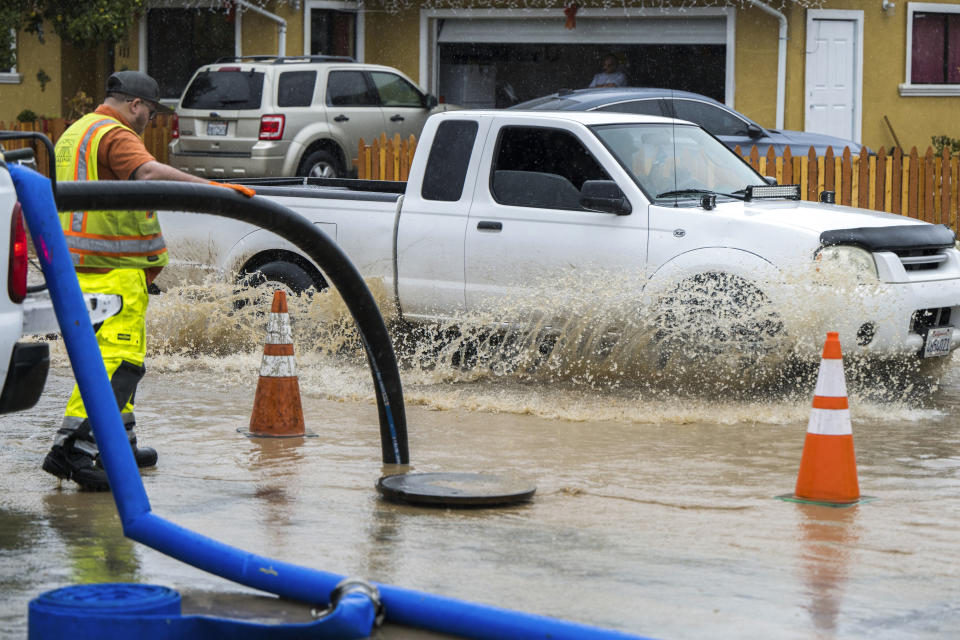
[(633, 30)]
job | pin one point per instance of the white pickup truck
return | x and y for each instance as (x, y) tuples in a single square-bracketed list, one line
[(651, 223)]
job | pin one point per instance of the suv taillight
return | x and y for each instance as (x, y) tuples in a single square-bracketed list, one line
[(175, 127), (271, 127), (17, 273)]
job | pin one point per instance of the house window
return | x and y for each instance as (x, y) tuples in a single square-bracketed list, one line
[(10, 75), (333, 28), (933, 49), (936, 48), (198, 36)]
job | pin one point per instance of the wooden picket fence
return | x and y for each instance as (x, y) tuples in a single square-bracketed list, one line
[(155, 137), (921, 187), (385, 159)]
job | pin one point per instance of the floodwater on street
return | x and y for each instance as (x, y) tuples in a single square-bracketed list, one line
[(655, 510)]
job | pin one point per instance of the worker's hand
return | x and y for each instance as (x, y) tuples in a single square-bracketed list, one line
[(239, 188)]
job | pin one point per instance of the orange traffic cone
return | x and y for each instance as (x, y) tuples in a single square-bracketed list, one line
[(277, 412), (828, 467)]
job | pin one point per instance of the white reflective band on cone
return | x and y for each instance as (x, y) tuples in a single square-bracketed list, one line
[(278, 329), (830, 380), (278, 367), (830, 422)]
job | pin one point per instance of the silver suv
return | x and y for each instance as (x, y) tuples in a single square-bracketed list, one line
[(265, 116)]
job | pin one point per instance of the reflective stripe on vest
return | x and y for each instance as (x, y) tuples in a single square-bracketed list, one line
[(111, 239)]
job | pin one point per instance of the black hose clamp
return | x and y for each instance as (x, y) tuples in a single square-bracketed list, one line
[(355, 585)]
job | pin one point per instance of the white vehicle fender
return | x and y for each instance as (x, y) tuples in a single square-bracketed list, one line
[(736, 262), (262, 240)]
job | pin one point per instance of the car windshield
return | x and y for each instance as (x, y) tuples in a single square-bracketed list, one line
[(680, 160), (224, 90)]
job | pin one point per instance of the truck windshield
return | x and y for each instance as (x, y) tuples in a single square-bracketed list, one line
[(668, 158), (224, 90)]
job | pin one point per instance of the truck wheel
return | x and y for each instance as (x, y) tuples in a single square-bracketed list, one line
[(282, 275), (320, 164), (288, 276), (716, 315)]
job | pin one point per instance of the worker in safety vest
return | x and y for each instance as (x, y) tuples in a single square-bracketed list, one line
[(114, 252)]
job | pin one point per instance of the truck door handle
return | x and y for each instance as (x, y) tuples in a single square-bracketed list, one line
[(396, 118), (341, 118), (489, 225)]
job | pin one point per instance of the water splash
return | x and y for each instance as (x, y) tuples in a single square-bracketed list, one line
[(591, 347)]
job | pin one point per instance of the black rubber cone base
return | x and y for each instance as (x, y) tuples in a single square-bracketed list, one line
[(454, 489)]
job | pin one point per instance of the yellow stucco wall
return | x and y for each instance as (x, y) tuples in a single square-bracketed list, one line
[(393, 39), (261, 35), (755, 60), (27, 94), (914, 119)]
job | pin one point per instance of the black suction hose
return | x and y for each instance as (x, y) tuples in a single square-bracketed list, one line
[(200, 198)]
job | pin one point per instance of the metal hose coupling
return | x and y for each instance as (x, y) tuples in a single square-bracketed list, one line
[(354, 585)]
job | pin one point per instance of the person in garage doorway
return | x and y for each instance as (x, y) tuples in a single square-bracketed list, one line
[(113, 252), (611, 76)]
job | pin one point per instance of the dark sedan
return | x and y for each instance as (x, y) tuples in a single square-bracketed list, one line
[(731, 127)]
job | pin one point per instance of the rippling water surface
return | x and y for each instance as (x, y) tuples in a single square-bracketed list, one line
[(654, 514)]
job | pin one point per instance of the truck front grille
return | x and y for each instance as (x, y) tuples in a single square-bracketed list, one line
[(921, 259), (924, 319)]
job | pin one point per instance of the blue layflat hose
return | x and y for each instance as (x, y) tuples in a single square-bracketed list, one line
[(402, 606)]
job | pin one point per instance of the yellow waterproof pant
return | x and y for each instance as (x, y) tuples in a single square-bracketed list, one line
[(122, 341)]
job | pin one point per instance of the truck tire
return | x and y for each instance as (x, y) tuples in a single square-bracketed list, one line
[(278, 274), (320, 164), (715, 315)]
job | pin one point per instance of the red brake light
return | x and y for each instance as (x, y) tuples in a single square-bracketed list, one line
[(17, 275), (229, 69), (175, 127), (271, 127)]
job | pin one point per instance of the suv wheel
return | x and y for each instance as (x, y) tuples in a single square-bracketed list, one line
[(320, 164)]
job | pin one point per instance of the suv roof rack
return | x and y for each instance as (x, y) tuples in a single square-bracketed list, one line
[(284, 59)]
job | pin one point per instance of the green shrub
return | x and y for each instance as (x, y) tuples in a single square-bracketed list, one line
[(27, 116), (945, 142)]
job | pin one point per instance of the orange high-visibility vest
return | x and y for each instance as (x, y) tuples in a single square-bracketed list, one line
[(110, 239)]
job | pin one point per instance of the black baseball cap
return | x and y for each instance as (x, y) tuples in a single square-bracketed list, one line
[(138, 85)]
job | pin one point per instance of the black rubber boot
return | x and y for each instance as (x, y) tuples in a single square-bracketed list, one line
[(145, 456), (68, 462)]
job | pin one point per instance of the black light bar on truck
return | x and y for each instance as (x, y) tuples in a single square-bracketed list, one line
[(788, 191)]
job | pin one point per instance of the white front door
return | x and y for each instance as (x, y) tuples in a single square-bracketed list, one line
[(833, 75)]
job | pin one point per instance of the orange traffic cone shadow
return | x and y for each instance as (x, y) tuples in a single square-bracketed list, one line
[(828, 467), (277, 411)]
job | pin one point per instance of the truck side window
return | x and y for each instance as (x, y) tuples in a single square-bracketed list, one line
[(295, 88), (448, 160), (349, 89), (541, 167)]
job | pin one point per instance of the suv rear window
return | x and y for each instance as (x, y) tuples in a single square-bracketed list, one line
[(224, 90)]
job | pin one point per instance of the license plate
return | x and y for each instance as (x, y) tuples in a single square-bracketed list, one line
[(215, 128), (937, 342)]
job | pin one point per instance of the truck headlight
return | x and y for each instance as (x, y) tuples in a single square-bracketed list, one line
[(844, 261)]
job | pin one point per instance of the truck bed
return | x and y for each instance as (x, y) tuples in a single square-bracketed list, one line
[(315, 187)]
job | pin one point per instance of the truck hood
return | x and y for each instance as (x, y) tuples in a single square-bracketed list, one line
[(814, 217)]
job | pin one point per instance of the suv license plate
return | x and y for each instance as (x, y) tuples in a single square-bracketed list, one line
[(937, 342), (215, 128)]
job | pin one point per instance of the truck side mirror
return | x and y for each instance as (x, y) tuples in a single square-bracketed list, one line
[(430, 101), (754, 131), (604, 196)]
